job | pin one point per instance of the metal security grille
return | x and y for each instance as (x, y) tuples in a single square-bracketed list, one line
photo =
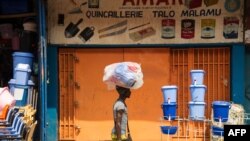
[(66, 80), (216, 63)]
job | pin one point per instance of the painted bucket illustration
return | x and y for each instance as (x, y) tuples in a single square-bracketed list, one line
[(207, 28), (231, 26), (168, 28), (187, 28)]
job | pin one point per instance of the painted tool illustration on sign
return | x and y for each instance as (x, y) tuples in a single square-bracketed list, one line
[(142, 34), (93, 3), (120, 24), (86, 33), (114, 26), (210, 2), (118, 32), (232, 5), (77, 10), (191, 4), (207, 28), (139, 26), (72, 29)]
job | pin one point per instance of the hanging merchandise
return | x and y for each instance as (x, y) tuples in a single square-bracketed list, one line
[(124, 74)]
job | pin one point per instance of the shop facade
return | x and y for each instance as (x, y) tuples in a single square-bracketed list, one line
[(168, 39)]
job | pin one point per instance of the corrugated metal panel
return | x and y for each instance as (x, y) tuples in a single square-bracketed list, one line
[(216, 63), (66, 80)]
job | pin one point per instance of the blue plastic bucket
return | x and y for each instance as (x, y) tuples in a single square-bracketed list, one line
[(12, 83), (217, 131), (197, 76), (169, 93), (23, 58), (169, 129), (169, 110), (198, 92), (21, 95), (221, 110), (196, 110)]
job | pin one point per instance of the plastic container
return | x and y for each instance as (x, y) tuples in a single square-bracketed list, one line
[(221, 110), (217, 131), (6, 98), (197, 77), (169, 110), (196, 110), (169, 129), (198, 92), (169, 93), (12, 84), (22, 74), (23, 58), (21, 95)]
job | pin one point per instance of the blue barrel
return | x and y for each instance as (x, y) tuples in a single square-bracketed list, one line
[(169, 93), (221, 110), (198, 92), (23, 58), (196, 110), (169, 110), (197, 77)]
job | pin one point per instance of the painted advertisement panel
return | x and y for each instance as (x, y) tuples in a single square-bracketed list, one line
[(128, 22)]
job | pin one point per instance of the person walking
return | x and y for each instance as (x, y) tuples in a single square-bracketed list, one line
[(120, 114)]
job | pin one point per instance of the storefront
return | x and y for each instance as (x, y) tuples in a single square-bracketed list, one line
[(168, 39)]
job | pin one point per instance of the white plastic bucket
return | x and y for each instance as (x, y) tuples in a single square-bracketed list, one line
[(169, 93), (198, 92), (197, 77), (196, 110)]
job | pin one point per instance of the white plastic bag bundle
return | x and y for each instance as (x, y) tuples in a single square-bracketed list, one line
[(124, 74)]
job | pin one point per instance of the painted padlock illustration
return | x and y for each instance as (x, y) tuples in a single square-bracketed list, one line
[(86, 34)]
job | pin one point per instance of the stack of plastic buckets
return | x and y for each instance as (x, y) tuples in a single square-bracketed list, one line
[(169, 105), (197, 90), (220, 114), (21, 85)]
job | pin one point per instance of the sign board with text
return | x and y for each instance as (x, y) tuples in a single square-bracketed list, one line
[(128, 22)]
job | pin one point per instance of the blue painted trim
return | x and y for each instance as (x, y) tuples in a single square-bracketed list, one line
[(52, 94), (42, 71), (145, 45), (238, 73)]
